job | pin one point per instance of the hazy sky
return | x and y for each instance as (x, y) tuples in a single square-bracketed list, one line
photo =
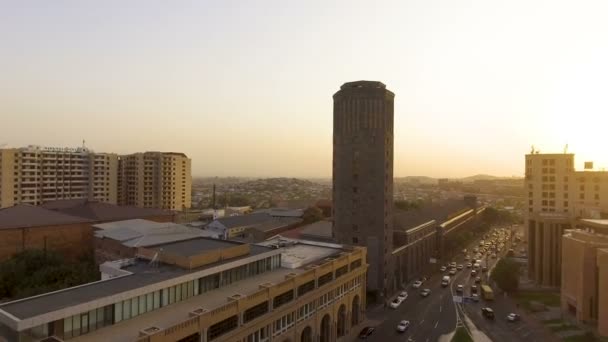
[(245, 87)]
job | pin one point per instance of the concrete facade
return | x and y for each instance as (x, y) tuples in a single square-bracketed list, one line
[(155, 180), (34, 175), (585, 273), (557, 195), (363, 175)]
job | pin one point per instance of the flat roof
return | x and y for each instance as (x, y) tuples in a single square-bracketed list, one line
[(197, 246), (603, 222), (143, 275)]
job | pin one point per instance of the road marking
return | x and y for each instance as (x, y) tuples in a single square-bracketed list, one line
[(436, 325)]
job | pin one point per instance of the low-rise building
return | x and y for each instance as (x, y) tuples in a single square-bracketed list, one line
[(206, 290), (584, 276)]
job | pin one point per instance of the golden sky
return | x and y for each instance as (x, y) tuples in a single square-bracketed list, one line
[(245, 87)]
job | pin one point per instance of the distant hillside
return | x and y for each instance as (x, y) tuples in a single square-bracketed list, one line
[(479, 177), (418, 179)]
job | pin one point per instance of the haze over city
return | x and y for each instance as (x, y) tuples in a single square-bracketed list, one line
[(245, 88)]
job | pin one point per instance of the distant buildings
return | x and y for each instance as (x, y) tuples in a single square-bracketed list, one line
[(585, 273), (557, 195), (155, 180), (253, 227), (205, 290), (35, 175), (363, 175)]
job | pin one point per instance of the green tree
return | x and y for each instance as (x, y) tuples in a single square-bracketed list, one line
[(312, 214), (506, 275)]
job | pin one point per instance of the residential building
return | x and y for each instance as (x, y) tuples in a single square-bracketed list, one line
[(256, 226), (206, 290), (363, 176), (155, 180), (557, 194), (34, 175), (585, 273)]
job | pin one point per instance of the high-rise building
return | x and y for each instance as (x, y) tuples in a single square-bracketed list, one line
[(557, 194), (155, 180), (363, 175), (34, 175)]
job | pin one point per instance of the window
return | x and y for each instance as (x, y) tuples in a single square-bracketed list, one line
[(255, 312), (581, 196), (306, 287), (341, 271), (355, 240), (324, 279), (283, 298), (222, 327), (565, 203), (355, 264)]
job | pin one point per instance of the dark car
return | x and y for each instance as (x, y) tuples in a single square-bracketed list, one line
[(513, 317), (366, 332), (487, 313), (477, 280)]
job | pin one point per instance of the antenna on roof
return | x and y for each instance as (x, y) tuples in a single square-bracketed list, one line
[(532, 151), (566, 149)]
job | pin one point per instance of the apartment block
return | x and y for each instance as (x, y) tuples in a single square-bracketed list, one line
[(557, 195), (206, 290), (585, 273), (155, 180), (34, 175)]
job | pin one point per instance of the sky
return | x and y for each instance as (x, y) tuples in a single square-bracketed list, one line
[(244, 88)]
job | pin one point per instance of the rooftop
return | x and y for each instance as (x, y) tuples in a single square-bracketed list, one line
[(142, 274), (194, 247), (244, 220), (100, 211), (440, 212), (25, 216)]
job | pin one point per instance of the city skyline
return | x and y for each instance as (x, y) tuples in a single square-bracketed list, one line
[(475, 85)]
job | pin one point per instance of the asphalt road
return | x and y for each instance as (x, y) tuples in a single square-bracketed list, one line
[(436, 315)]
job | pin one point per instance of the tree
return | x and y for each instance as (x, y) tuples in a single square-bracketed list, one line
[(312, 214), (506, 275)]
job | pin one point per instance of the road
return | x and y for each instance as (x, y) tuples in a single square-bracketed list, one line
[(436, 315)]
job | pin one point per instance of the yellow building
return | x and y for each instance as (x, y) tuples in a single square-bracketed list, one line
[(34, 175), (206, 290), (155, 180), (557, 194), (585, 273)]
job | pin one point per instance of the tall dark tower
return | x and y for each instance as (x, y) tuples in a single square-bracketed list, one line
[(363, 176)]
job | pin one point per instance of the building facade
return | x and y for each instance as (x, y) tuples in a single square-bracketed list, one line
[(557, 194), (363, 175), (34, 175), (585, 273), (155, 180), (206, 290)]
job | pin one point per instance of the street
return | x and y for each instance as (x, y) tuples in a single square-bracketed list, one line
[(436, 315)]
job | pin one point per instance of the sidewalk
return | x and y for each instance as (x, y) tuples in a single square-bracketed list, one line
[(373, 318), (476, 334)]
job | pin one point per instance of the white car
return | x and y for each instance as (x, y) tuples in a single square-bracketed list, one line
[(395, 303), (417, 284), (475, 297), (403, 325), (442, 268), (459, 267), (459, 288), (402, 296), (469, 265), (453, 271)]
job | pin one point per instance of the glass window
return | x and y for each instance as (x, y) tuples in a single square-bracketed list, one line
[(84, 323), (134, 307), (142, 304), (165, 297), (67, 327), (76, 325), (196, 287), (117, 312), (184, 291), (149, 301), (126, 309), (157, 299), (178, 293), (93, 319), (100, 317), (172, 295)]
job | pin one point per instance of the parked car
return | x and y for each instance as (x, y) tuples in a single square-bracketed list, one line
[(487, 313), (403, 325), (366, 332), (425, 292), (442, 268), (513, 317), (395, 303), (402, 296), (417, 284)]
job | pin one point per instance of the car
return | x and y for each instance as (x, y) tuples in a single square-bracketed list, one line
[(475, 297), (513, 317), (473, 288), (469, 265), (459, 288), (477, 280), (484, 269), (453, 264), (443, 268), (395, 303), (452, 271), (494, 256), (425, 292), (366, 332), (487, 313), (473, 273), (417, 284), (459, 267), (402, 296), (403, 325)]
